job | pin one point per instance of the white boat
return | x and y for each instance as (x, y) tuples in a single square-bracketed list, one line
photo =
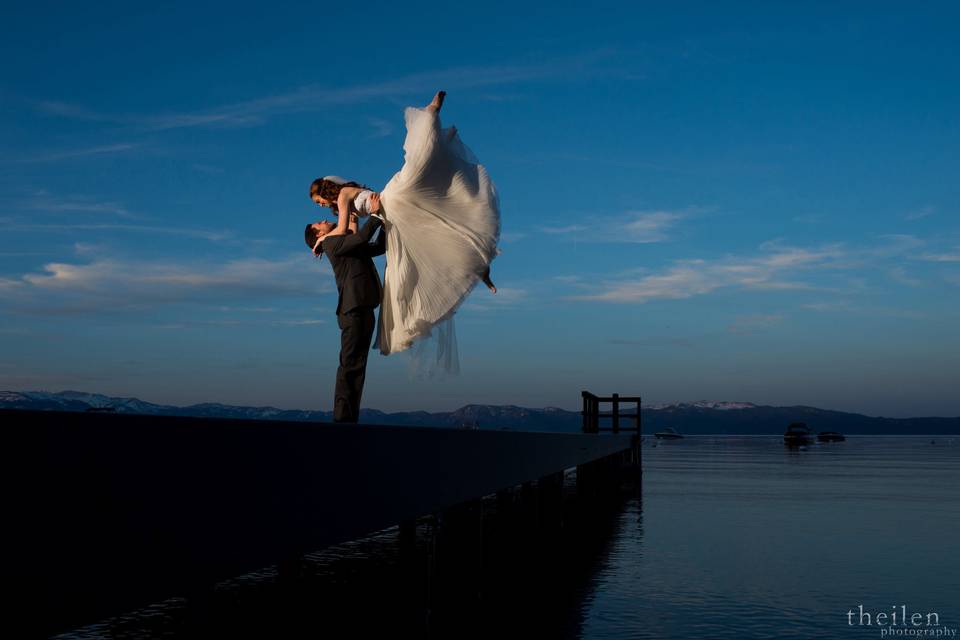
[(668, 434)]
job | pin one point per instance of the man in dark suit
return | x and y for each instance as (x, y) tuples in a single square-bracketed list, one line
[(359, 293)]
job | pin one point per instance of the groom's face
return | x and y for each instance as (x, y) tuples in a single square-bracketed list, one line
[(324, 226)]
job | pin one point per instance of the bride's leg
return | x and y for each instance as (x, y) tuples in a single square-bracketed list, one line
[(437, 101)]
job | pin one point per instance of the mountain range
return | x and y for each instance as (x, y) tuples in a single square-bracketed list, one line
[(704, 417)]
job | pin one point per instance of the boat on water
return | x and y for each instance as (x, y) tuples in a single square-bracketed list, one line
[(798, 434), (830, 436), (668, 434)]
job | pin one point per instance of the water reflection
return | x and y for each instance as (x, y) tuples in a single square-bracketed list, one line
[(746, 538)]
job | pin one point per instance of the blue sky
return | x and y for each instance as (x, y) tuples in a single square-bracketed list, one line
[(752, 202)]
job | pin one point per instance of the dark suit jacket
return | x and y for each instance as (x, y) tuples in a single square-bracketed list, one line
[(351, 257)]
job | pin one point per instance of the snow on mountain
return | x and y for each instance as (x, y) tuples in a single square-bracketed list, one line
[(700, 417), (716, 405)]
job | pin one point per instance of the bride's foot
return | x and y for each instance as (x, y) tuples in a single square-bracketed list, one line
[(437, 101), (487, 281)]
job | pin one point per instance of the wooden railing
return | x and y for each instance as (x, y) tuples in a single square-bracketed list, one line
[(592, 413)]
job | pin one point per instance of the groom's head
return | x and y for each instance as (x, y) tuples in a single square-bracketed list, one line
[(315, 230)]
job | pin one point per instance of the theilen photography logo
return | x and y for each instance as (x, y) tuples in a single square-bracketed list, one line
[(899, 623)]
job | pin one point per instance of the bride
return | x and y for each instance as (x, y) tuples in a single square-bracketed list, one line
[(441, 215)]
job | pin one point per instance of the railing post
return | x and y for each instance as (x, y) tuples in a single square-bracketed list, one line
[(585, 412), (591, 407), (616, 413), (638, 416)]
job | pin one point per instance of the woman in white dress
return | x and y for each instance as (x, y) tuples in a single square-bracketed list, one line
[(441, 215)]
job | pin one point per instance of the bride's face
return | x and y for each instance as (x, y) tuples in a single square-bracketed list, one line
[(321, 201)]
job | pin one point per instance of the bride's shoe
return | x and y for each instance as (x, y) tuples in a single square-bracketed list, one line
[(487, 281), (437, 101)]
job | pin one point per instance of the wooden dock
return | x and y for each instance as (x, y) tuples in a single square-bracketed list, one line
[(111, 512)]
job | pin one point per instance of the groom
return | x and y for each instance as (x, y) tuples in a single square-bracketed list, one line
[(359, 292)]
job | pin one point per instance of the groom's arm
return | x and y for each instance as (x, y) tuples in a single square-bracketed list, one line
[(355, 242), (379, 246)]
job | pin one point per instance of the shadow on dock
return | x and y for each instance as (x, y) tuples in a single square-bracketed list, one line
[(111, 513), (523, 560)]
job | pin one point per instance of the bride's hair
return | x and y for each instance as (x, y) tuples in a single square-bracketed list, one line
[(330, 191)]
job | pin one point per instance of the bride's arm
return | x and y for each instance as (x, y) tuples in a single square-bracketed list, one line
[(344, 202)]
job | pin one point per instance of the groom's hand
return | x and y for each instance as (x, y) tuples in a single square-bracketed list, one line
[(375, 203)]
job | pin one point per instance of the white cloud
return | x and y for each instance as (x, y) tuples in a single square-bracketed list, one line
[(918, 214), (113, 284), (83, 152), (895, 244), (7, 284), (647, 226), (834, 305), (941, 257), (899, 274), (205, 234), (381, 128), (506, 237), (314, 97), (752, 323), (506, 297), (632, 226), (46, 204), (687, 278)]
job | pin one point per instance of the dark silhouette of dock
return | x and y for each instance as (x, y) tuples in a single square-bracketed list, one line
[(111, 512)]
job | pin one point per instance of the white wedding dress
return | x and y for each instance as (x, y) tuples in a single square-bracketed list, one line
[(442, 219)]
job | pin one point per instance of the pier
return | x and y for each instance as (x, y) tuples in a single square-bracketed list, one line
[(111, 512)]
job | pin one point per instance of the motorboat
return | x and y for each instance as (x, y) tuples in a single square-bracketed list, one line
[(798, 434), (830, 436), (668, 434)]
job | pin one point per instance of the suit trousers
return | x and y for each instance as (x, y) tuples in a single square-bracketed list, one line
[(356, 332)]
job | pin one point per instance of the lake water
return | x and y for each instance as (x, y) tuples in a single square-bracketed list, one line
[(730, 537), (743, 538)]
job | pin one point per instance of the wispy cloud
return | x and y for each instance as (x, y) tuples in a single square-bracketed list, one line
[(506, 297), (941, 257), (43, 203), (752, 323), (236, 322), (632, 226), (506, 237), (313, 97), (83, 152), (380, 128), (67, 110), (651, 226), (687, 278), (205, 234), (899, 274), (892, 244), (777, 266), (653, 341), (825, 305), (107, 285), (918, 214), (9, 284)]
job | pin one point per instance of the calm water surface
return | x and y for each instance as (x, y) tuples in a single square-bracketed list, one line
[(743, 538), (732, 537)]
